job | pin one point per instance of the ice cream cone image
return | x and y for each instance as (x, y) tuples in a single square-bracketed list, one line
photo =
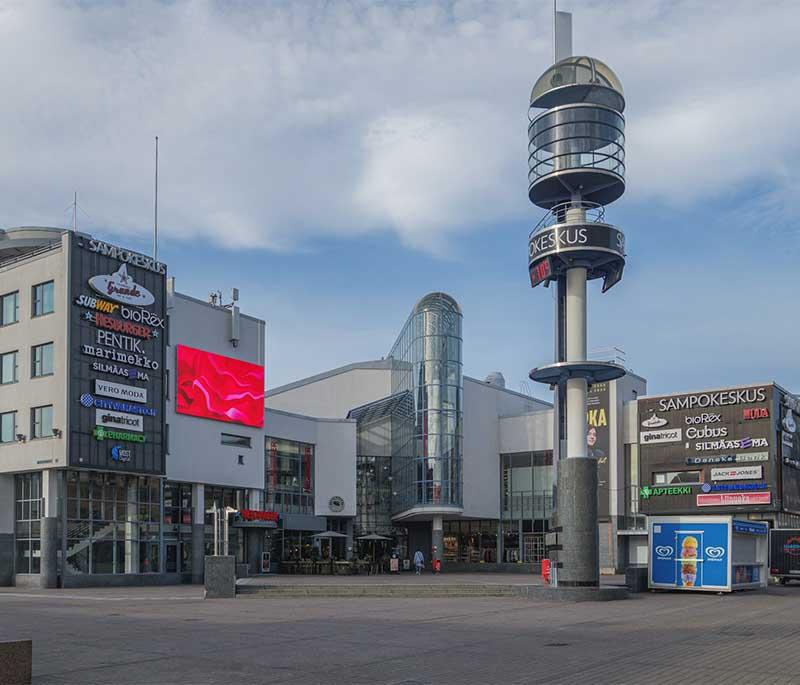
[(689, 561)]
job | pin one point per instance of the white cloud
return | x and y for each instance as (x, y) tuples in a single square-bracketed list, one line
[(283, 122)]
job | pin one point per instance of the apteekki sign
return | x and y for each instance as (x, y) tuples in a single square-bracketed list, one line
[(117, 358), (713, 436)]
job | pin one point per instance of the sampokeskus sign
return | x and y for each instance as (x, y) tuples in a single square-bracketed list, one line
[(717, 438)]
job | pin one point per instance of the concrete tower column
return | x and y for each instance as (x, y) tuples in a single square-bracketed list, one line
[(198, 533), (437, 538), (50, 542)]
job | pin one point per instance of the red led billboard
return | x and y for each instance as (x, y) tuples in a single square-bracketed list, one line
[(220, 388)]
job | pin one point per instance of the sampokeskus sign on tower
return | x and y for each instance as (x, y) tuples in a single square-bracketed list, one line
[(117, 356)]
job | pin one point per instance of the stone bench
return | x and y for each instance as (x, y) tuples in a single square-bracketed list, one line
[(15, 662)]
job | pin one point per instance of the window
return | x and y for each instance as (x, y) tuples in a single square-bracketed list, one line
[(289, 476), (42, 301), (8, 427), (236, 440), (676, 477), (42, 360), (113, 523), (8, 368), (42, 422), (9, 308), (28, 510)]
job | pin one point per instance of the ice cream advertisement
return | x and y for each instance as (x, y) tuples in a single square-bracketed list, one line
[(690, 555)]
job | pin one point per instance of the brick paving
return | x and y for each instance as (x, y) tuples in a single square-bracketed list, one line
[(169, 635)]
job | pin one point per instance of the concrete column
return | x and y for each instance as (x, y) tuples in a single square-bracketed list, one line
[(577, 475), (437, 538), (348, 544), (255, 546), (198, 532), (6, 530), (132, 529), (50, 543)]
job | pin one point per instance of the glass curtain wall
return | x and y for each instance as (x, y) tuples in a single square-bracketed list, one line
[(527, 504), (28, 512), (426, 451), (225, 497), (113, 523), (177, 527), (289, 476)]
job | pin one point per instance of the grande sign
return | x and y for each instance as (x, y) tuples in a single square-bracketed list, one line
[(117, 356)]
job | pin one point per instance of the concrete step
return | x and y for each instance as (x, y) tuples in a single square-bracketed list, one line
[(408, 591)]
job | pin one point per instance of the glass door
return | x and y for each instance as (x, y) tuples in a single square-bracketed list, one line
[(171, 553)]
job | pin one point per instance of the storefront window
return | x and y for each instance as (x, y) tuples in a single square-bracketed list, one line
[(527, 504), (289, 476), (177, 527), (28, 512), (234, 498), (113, 523)]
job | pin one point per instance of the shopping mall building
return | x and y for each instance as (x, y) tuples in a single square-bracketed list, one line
[(129, 410)]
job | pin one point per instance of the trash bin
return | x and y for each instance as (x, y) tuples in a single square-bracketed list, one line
[(546, 571), (636, 578)]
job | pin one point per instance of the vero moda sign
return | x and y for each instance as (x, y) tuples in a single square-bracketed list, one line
[(117, 358)]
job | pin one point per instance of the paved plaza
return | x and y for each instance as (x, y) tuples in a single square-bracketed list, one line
[(170, 635)]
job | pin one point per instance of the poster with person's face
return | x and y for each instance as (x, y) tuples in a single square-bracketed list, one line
[(598, 441)]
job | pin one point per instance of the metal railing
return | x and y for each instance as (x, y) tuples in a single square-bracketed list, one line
[(595, 214)]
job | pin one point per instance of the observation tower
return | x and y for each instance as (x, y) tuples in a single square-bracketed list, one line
[(577, 166)]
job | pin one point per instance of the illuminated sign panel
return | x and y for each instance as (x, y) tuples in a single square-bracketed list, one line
[(116, 359), (212, 386), (728, 435)]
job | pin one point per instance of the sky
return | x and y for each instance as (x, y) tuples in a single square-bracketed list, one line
[(336, 161)]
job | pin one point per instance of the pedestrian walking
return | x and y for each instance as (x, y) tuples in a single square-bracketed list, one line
[(419, 561)]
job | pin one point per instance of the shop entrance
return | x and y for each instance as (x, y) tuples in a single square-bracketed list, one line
[(171, 557)]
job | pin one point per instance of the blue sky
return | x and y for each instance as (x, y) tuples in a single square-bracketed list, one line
[(338, 160)]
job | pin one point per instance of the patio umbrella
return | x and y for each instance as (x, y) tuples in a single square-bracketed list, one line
[(330, 535), (373, 537)]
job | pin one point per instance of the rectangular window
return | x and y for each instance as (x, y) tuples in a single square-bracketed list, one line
[(236, 440), (42, 360), (8, 426), (42, 421), (42, 300), (8, 368), (9, 308), (677, 477)]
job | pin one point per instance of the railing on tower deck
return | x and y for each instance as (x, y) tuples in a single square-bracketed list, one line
[(594, 214)]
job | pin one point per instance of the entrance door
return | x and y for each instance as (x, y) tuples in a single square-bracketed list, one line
[(171, 553)]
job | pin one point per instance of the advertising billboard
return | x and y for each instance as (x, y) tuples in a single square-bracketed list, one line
[(710, 449), (117, 354), (212, 386), (789, 451), (598, 441), (689, 553)]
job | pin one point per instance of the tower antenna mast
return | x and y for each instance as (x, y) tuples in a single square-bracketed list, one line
[(155, 211)]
